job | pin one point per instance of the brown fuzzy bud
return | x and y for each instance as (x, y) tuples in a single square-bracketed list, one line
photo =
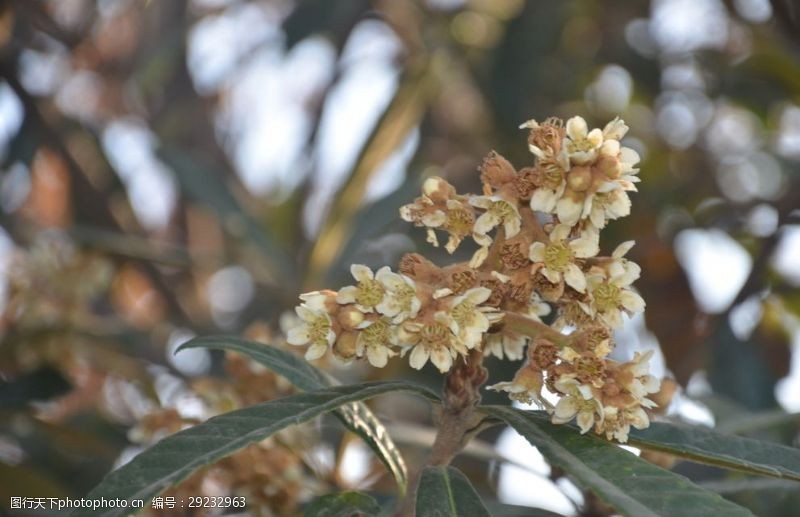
[(543, 353), (345, 345), (548, 135), (415, 266), (588, 368), (461, 280), (547, 174), (592, 337), (520, 292), (549, 291), (525, 183), (609, 166), (579, 178), (349, 317), (499, 290), (438, 189), (496, 171), (514, 255)]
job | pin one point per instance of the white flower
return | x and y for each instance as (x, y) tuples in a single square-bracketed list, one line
[(315, 329), (526, 387), (468, 320), (369, 292), (615, 129), (578, 402), (643, 383), (582, 145), (558, 257), (431, 340), (400, 301), (375, 339), (617, 422), (497, 211), (608, 206), (440, 208), (546, 196), (611, 294)]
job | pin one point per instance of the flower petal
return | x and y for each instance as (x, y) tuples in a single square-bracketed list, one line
[(623, 249), (543, 200), (298, 335), (418, 358), (478, 295), (565, 410), (553, 277), (442, 358), (315, 351), (377, 356), (347, 294), (631, 301), (536, 252), (585, 421), (577, 128), (616, 129), (569, 211), (574, 277), (361, 272)]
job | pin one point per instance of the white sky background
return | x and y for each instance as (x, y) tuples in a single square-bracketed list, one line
[(264, 123)]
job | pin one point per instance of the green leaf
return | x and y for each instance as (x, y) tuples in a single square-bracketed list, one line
[(445, 491), (733, 486), (343, 504), (176, 457), (512, 510), (296, 369), (356, 416), (631, 485), (705, 445)]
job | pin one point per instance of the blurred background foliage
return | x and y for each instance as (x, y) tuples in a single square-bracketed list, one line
[(187, 167)]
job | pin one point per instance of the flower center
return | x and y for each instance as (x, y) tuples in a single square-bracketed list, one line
[(435, 335), (552, 177), (557, 256), (503, 210), (377, 333), (318, 329), (588, 368), (462, 313), (459, 221), (370, 293), (574, 315), (606, 296), (579, 145), (404, 294)]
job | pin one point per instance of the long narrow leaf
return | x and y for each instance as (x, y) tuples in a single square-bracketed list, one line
[(446, 492), (176, 457), (356, 416), (343, 504), (705, 445), (631, 485)]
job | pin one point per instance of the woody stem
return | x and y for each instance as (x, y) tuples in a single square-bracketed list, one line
[(456, 418), (528, 327)]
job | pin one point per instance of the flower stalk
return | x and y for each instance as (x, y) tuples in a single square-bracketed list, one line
[(456, 420)]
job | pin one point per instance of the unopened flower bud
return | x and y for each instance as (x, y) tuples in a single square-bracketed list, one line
[(579, 178)]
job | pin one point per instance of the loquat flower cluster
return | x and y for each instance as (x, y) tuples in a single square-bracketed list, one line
[(538, 235)]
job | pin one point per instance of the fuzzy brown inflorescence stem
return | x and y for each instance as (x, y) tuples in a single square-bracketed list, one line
[(456, 419)]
